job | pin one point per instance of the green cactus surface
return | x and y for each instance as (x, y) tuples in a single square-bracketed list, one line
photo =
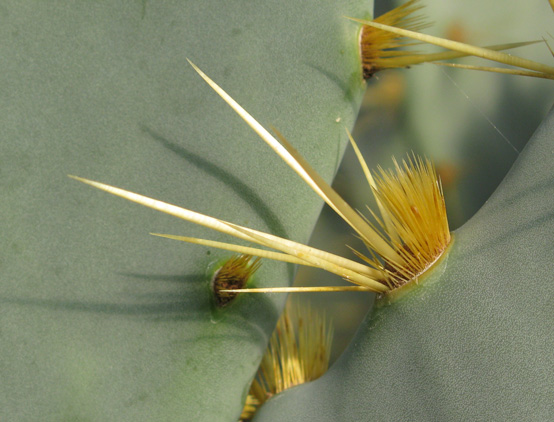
[(98, 320), (473, 341)]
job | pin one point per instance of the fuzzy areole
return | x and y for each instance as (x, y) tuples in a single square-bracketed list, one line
[(232, 275)]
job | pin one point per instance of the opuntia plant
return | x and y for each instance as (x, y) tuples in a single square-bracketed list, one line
[(101, 321)]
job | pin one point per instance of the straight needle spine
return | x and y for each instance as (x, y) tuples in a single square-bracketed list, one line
[(409, 235), (465, 49), (304, 170), (330, 262)]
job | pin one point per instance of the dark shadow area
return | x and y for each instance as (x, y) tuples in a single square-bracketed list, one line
[(188, 299), (182, 303), (348, 89), (153, 309), (251, 199)]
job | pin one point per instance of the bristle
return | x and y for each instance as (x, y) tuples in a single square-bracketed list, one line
[(233, 274), (298, 352), (464, 49), (379, 48), (413, 198), (381, 41), (249, 408)]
